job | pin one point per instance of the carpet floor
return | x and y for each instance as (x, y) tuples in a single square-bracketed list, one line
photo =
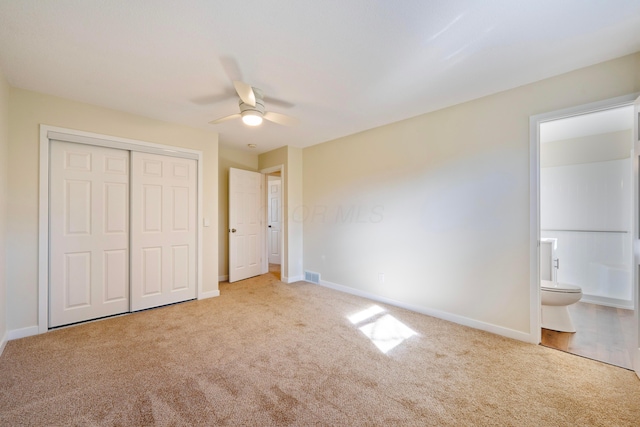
[(266, 353)]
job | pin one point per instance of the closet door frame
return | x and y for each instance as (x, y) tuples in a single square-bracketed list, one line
[(49, 133)]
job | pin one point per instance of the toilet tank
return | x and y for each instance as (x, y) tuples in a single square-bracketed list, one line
[(546, 260)]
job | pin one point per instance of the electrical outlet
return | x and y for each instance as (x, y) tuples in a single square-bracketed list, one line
[(381, 277)]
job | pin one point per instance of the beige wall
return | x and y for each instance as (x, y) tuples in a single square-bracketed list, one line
[(291, 159), (296, 209), (440, 203), (4, 178), (228, 158), (27, 111)]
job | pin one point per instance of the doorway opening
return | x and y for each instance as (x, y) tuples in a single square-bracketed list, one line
[(257, 223), (274, 223), (585, 231)]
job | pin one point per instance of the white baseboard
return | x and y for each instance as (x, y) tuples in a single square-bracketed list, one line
[(292, 279), (209, 294), (23, 332), (461, 320), (223, 278), (3, 341), (609, 302)]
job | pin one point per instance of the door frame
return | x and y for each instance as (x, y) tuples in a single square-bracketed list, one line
[(47, 133), (534, 202), (283, 216)]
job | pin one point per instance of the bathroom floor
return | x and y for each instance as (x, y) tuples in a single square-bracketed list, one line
[(603, 333)]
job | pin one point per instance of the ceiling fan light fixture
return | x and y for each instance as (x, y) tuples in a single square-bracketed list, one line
[(251, 118)]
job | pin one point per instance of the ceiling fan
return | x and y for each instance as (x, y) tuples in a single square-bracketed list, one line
[(252, 109)]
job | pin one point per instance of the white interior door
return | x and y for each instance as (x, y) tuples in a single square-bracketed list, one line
[(274, 231), (244, 224), (636, 236), (89, 232), (163, 230)]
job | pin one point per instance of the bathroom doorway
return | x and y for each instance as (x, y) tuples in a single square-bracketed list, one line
[(586, 214)]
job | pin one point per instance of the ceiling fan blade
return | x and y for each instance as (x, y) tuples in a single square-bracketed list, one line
[(212, 99), (245, 92), (280, 119), (224, 119), (231, 68)]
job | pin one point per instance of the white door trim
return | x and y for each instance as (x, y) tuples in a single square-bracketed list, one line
[(534, 200), (635, 228), (71, 135)]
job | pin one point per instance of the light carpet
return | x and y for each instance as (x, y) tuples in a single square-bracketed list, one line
[(267, 353)]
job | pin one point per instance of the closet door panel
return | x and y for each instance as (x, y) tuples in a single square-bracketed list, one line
[(89, 232), (164, 213)]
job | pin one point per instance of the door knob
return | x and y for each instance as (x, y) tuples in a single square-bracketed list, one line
[(269, 226), (233, 230)]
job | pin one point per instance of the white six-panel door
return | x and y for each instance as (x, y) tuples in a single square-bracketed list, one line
[(163, 230), (274, 219), (245, 242), (89, 232)]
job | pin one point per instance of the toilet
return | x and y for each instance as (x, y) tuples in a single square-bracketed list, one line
[(555, 299)]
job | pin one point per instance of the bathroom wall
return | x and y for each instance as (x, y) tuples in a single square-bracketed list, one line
[(587, 149), (586, 207)]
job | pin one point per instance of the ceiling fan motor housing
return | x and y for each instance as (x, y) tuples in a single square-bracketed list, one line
[(259, 108), (252, 114)]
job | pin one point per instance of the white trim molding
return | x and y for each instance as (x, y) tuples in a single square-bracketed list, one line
[(608, 302), (292, 279), (3, 341), (22, 332), (49, 133), (209, 294)]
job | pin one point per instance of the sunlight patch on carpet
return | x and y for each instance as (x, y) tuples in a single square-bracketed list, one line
[(385, 331), (363, 315)]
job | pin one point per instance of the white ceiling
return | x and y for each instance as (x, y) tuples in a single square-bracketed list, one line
[(606, 121), (347, 66)]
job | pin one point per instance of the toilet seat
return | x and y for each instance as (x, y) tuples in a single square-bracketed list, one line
[(566, 288)]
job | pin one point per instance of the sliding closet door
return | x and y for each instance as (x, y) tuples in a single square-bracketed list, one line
[(163, 230), (89, 232)]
